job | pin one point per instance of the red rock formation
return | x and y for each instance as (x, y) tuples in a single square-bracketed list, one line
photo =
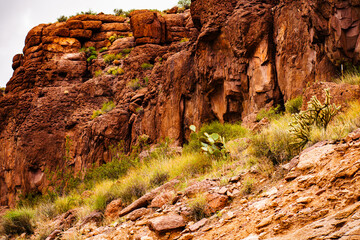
[(242, 56)]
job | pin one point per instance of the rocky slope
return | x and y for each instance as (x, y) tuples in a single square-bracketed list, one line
[(242, 56), (318, 198)]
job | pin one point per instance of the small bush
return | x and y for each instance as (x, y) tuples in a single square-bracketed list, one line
[(103, 49), (294, 105), (270, 114), (126, 50), (98, 73), (350, 76), (90, 53), (18, 221), (226, 130), (62, 18), (115, 37), (197, 207), (248, 185), (123, 13), (102, 195), (116, 71), (134, 84), (184, 4), (317, 115), (147, 66), (109, 58), (132, 190), (64, 204), (184, 40), (46, 210), (159, 178), (275, 142), (89, 12), (106, 107), (212, 144)]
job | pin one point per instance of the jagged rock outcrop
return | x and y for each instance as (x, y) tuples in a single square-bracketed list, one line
[(242, 56)]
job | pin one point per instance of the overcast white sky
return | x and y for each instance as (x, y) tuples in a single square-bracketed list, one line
[(17, 17)]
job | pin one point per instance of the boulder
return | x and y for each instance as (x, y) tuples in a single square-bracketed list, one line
[(148, 27), (113, 209), (167, 223)]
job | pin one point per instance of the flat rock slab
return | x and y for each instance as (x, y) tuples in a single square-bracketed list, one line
[(167, 223)]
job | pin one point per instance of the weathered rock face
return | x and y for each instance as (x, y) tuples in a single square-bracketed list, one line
[(242, 56)]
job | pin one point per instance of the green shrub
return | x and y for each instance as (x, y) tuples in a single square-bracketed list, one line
[(212, 144), (274, 142), (339, 127), (248, 185), (123, 13), (109, 58), (18, 221), (62, 18), (106, 107), (317, 115), (46, 210), (96, 113), (64, 204), (116, 71), (98, 73), (184, 40), (146, 81), (134, 84), (115, 37), (184, 4), (89, 12), (270, 114), (350, 76), (294, 105), (147, 66), (90, 53), (132, 191), (111, 170), (226, 130), (103, 49), (127, 50), (159, 178), (197, 207)]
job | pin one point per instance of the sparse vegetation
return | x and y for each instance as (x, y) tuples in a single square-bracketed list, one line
[(98, 73), (90, 53), (248, 185), (18, 221), (273, 112), (350, 76), (294, 105), (123, 13), (147, 66), (317, 115), (128, 178), (116, 71), (62, 18), (212, 144), (184, 4), (227, 131), (274, 142), (2, 90), (109, 58), (197, 207), (106, 107), (103, 49), (184, 40), (134, 84)]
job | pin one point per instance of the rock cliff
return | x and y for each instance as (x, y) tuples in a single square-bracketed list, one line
[(223, 60)]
